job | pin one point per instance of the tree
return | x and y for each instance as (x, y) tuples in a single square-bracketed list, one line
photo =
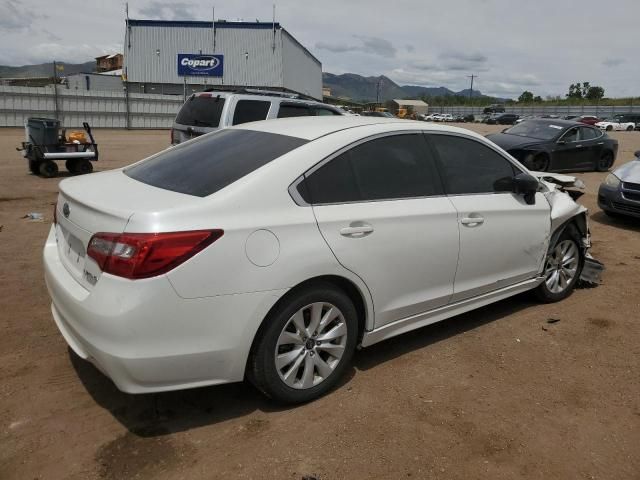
[(575, 91), (526, 97), (537, 99), (594, 93)]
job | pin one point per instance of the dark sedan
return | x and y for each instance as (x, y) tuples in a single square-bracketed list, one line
[(558, 145), (502, 119), (619, 194)]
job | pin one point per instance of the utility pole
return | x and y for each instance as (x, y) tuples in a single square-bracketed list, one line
[(378, 91), (55, 89), (471, 90)]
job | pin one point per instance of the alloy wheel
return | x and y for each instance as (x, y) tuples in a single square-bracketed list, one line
[(562, 266), (311, 345)]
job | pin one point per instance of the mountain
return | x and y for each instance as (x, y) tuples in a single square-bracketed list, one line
[(45, 69), (359, 88)]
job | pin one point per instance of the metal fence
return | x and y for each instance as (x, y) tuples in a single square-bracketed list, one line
[(601, 111), (99, 109)]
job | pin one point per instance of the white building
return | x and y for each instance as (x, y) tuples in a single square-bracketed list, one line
[(174, 56)]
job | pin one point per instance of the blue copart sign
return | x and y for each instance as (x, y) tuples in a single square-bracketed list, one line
[(198, 64)]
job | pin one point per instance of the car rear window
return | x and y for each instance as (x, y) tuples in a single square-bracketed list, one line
[(201, 111), (209, 163)]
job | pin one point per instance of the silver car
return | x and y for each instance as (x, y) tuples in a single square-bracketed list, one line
[(619, 194)]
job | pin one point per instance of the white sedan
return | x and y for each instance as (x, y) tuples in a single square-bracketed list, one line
[(609, 125), (271, 250)]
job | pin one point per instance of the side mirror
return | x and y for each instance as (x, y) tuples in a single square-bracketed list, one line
[(527, 186)]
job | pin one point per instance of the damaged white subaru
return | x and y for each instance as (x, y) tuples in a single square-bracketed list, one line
[(272, 250)]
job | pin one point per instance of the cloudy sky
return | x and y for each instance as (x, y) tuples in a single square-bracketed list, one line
[(512, 45)]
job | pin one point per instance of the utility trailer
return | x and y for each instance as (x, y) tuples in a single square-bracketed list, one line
[(45, 143)]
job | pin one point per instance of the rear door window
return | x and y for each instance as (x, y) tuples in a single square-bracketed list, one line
[(387, 168), (587, 133), (211, 162), (201, 111), (321, 111), (250, 111), (470, 167), (293, 110)]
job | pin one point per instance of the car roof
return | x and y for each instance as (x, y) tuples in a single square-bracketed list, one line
[(310, 128), (557, 121)]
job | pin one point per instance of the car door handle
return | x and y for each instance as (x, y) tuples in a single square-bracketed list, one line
[(356, 230), (472, 221), (578, 146)]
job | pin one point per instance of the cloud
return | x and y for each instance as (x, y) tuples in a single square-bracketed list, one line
[(162, 10), (47, 52), (410, 48), (474, 57), (14, 17), (613, 62), (371, 45)]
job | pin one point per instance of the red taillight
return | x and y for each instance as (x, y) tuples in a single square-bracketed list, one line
[(144, 255)]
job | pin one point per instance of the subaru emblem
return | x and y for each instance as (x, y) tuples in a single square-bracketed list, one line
[(65, 210)]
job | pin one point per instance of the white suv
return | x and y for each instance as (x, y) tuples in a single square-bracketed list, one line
[(205, 112)]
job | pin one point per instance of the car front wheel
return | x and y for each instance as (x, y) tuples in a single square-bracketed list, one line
[(305, 346), (562, 268)]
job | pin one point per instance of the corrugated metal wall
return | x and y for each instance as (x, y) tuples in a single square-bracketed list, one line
[(301, 71), (103, 83), (100, 109), (151, 56)]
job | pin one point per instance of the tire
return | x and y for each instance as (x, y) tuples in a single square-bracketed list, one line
[(34, 167), (83, 167), (564, 262), (605, 162), (71, 166), (609, 128), (306, 370), (629, 128), (539, 162), (48, 169)]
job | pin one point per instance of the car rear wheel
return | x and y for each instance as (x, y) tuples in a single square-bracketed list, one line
[(539, 163), (562, 268), (629, 128), (605, 162), (609, 128), (306, 346)]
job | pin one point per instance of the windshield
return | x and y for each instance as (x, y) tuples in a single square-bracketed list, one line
[(201, 111), (211, 162), (539, 130)]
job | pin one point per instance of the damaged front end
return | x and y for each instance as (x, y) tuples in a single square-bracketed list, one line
[(562, 191)]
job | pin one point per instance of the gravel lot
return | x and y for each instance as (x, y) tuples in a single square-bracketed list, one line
[(499, 393)]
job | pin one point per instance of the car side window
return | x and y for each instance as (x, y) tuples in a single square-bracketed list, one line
[(570, 136), (469, 167), (250, 111), (387, 168), (288, 110), (587, 133), (325, 112)]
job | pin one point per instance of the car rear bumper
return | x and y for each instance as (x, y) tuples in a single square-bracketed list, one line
[(612, 200), (145, 337)]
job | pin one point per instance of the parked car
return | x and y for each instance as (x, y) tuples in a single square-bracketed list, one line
[(503, 119), (557, 145), (377, 114), (617, 123), (168, 277), (205, 112), (433, 117), (619, 194), (495, 108), (587, 119)]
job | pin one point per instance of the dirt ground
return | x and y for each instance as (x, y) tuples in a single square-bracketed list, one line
[(499, 393)]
